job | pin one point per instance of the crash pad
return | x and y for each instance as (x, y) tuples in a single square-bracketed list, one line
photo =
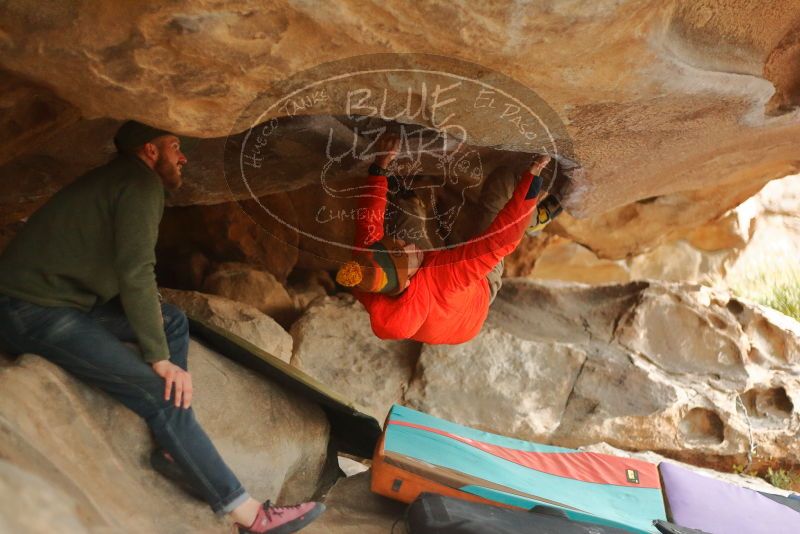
[(437, 514), (792, 501), (700, 502), (421, 453)]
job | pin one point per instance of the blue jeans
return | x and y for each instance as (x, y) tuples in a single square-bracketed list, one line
[(90, 346)]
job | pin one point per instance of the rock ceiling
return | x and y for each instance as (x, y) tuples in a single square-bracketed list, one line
[(677, 110)]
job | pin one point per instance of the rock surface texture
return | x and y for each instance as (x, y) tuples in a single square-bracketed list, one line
[(228, 232), (760, 237), (334, 343), (678, 110), (679, 369), (74, 457), (250, 285), (353, 509), (240, 319)]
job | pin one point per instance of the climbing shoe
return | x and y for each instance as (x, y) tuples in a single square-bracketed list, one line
[(283, 519)]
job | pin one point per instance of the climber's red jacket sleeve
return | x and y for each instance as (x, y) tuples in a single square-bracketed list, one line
[(471, 261), (371, 208)]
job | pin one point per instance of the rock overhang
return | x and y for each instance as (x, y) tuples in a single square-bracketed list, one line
[(689, 102)]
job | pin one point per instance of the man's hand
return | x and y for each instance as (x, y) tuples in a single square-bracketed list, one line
[(386, 149), (538, 164), (177, 377)]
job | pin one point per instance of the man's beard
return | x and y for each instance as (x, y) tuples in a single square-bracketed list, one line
[(170, 174)]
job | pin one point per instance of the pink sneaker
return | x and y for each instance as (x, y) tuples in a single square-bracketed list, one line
[(283, 519)]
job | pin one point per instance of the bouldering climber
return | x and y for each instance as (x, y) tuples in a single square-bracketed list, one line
[(439, 296), (78, 282)]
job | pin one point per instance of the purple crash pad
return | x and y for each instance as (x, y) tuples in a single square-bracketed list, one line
[(716, 507)]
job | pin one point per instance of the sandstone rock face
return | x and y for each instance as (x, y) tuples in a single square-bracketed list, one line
[(729, 251), (773, 221), (326, 223), (679, 369), (232, 232), (87, 456), (558, 258), (29, 503), (334, 343), (29, 115), (680, 111), (307, 286), (247, 284), (562, 259), (732, 230), (450, 374), (245, 321)]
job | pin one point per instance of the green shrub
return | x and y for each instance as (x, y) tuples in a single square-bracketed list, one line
[(779, 289), (786, 299), (781, 478)]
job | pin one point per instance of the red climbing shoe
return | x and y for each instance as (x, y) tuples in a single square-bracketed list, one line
[(283, 519)]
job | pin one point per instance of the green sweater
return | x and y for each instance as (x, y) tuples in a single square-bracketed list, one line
[(94, 240)]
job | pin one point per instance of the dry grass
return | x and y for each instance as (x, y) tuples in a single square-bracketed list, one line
[(781, 477), (778, 288)]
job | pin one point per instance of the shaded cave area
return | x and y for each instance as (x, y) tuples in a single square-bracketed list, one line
[(292, 212)]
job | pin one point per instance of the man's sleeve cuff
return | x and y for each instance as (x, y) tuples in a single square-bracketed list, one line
[(535, 188)]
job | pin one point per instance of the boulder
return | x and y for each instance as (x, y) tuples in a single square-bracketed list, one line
[(248, 284), (676, 368), (563, 259), (772, 254), (245, 321), (232, 231), (333, 342), (732, 230), (530, 382), (731, 251), (31, 116), (87, 456), (559, 258), (30, 503), (728, 251), (681, 261), (723, 76), (522, 261), (307, 286)]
